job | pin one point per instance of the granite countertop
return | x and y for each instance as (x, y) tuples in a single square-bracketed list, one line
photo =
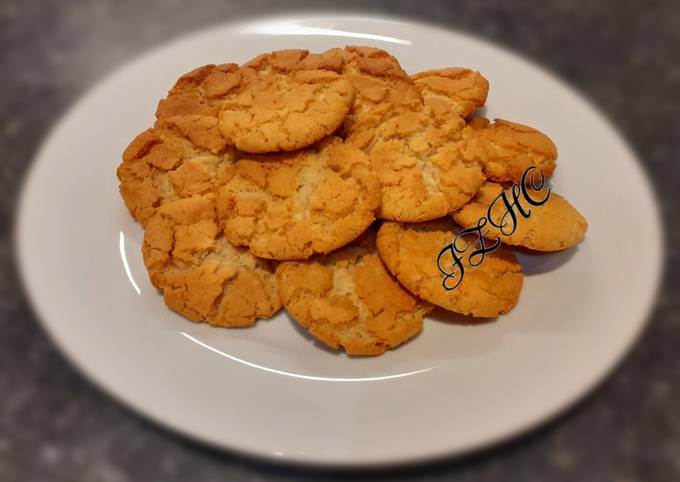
[(55, 426)]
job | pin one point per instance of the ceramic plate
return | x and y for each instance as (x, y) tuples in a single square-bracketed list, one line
[(270, 391)]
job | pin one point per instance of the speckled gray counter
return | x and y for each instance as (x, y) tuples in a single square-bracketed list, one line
[(55, 426)]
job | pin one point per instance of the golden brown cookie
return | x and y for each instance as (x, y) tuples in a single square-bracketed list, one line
[(553, 226), (416, 147), (411, 251), (202, 91), (452, 89), (202, 276), (510, 148), (421, 160), (180, 157), (377, 78), (291, 100), (348, 299), (290, 206)]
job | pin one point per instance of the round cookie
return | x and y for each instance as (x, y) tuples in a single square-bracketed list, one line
[(202, 276), (510, 148), (553, 226), (453, 89), (291, 206), (410, 252), (348, 299), (423, 163), (291, 100), (180, 157)]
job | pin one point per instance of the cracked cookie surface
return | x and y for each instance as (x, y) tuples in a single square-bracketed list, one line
[(290, 100), (423, 162), (553, 226), (202, 276), (410, 253), (452, 90), (348, 299), (377, 78), (180, 157), (291, 206), (202, 90), (412, 130), (510, 148)]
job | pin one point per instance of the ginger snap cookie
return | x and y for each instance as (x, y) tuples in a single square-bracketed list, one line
[(290, 100), (452, 89), (421, 160), (202, 91), (411, 129), (510, 148), (293, 205), (348, 299), (202, 276), (411, 251), (553, 226), (377, 79), (178, 158)]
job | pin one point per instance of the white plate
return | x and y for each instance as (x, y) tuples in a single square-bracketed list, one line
[(271, 391)]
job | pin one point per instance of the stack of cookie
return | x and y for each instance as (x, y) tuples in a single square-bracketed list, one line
[(329, 183)]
